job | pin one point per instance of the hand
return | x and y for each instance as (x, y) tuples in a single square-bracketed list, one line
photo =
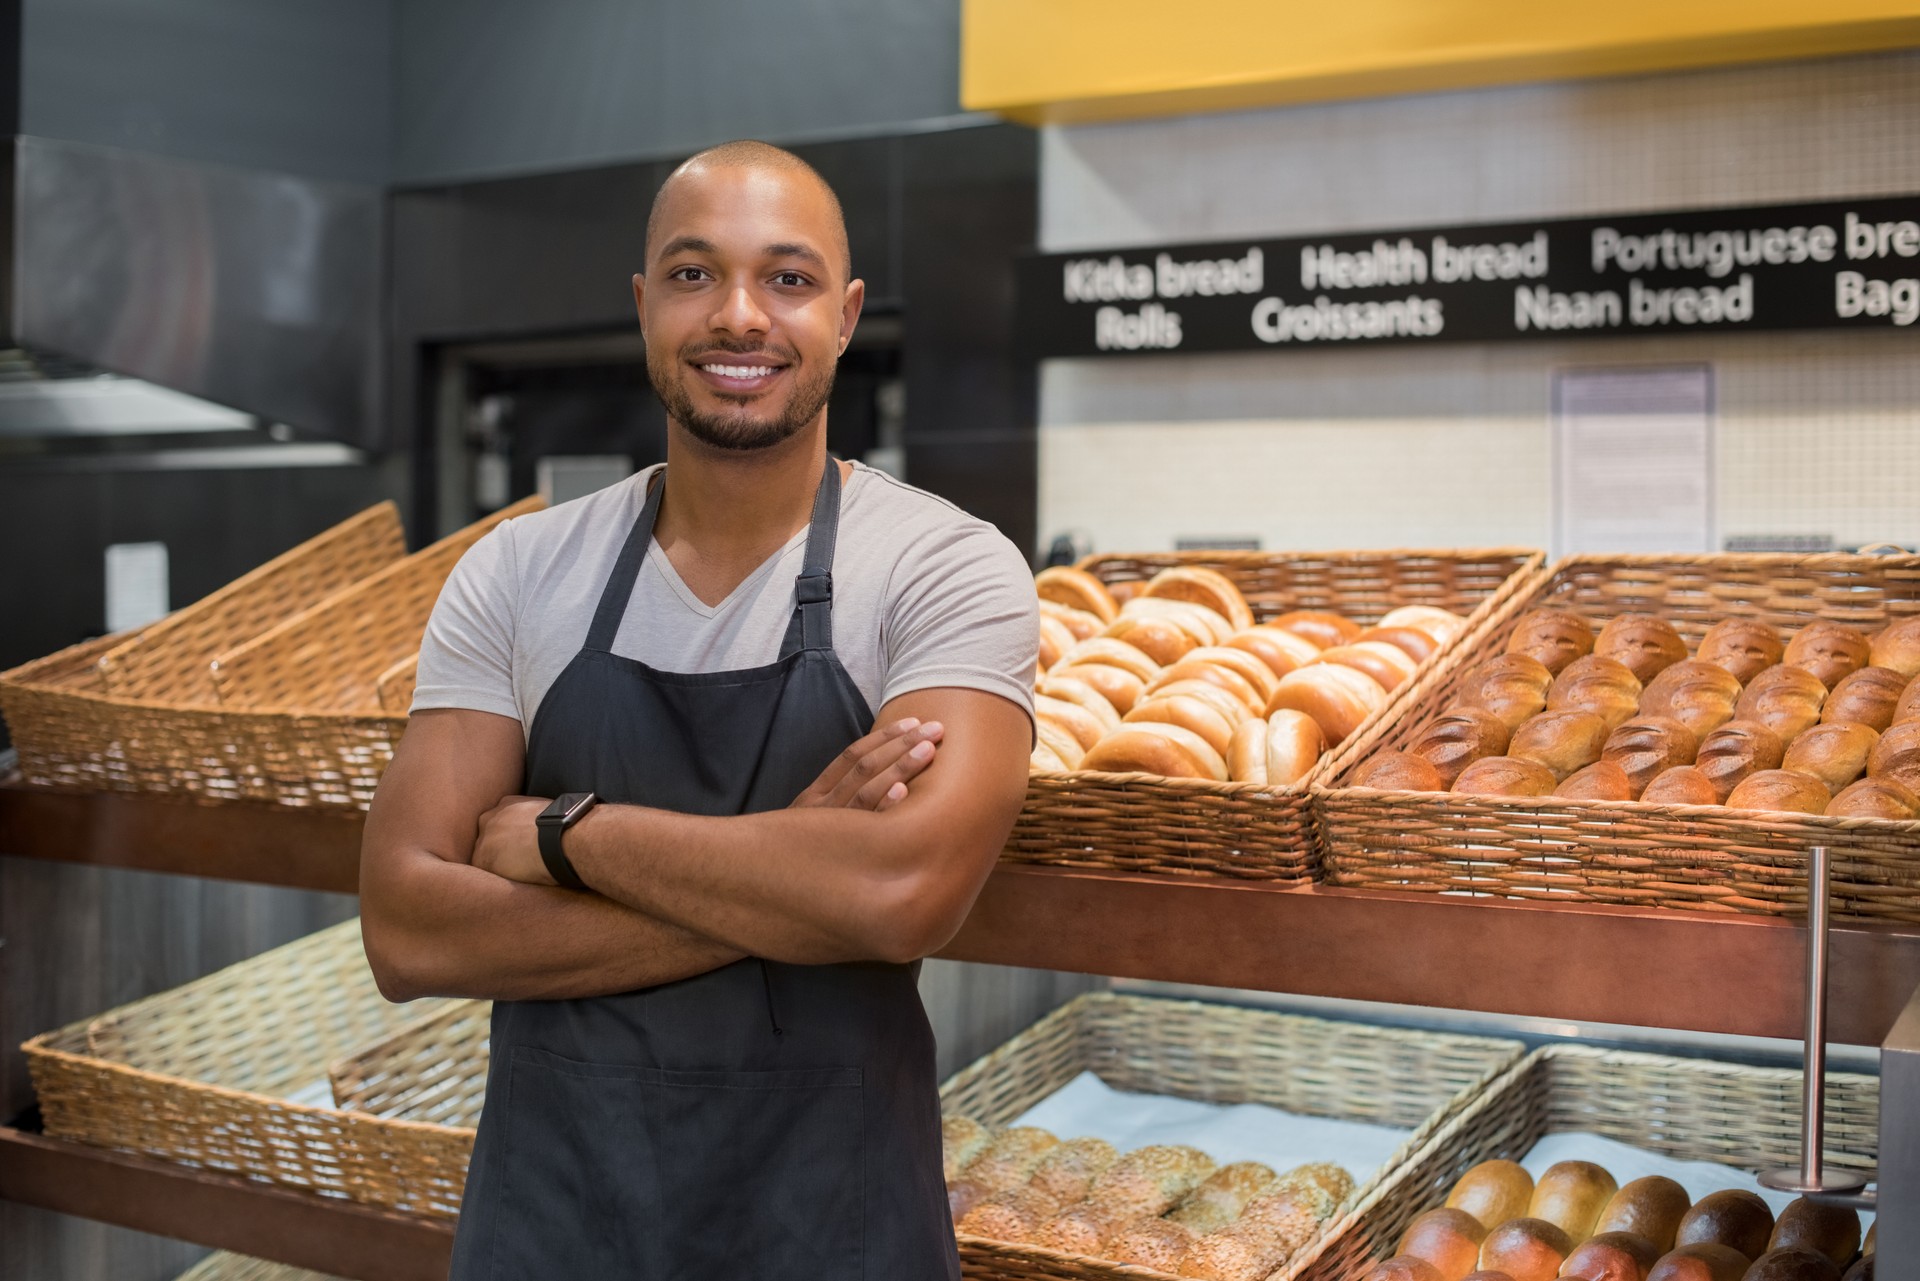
[(509, 844), (873, 772)]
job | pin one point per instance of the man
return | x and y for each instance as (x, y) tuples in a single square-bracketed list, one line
[(708, 1058)]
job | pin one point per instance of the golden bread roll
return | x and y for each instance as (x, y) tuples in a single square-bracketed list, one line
[(1015, 1216), (1681, 785), (1330, 1178), (1570, 1195), (1448, 1239), (1071, 689), (1512, 687), (1793, 1263), (1787, 700), (1161, 639), (1831, 651), (1600, 781), (1201, 586), (1736, 751), (1281, 651), (1202, 624), (1908, 709), (1083, 625), (1105, 651), (1189, 712), (1832, 1230), (1705, 1261), (1650, 1207), (1124, 590), (1043, 757), (962, 1196), (1388, 666), (1151, 1243), (1404, 1267), (1155, 747), (1086, 728), (1120, 688), (1734, 1217), (1552, 637), (1192, 669), (1082, 1228), (1744, 646), (1698, 695), (1611, 1256), (1411, 641), (1398, 772), (1780, 790), (1055, 641), (1493, 1192), (1077, 589), (961, 1139), (1526, 1249), (1897, 645), (1836, 753), (1875, 798), (1564, 742), (1488, 1274), (1241, 1252), (1151, 1180), (1069, 1170), (1338, 698), (1648, 746), (1458, 737), (1604, 686), (1056, 738), (1276, 752), (1896, 755), (1222, 1197), (1008, 1162), (1645, 643), (1317, 625), (1505, 776), (1441, 624), (1249, 667), (1868, 697), (1210, 693)]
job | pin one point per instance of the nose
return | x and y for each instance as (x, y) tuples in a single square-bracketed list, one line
[(739, 312)]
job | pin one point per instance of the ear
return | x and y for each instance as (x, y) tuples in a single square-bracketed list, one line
[(850, 304), (640, 299)]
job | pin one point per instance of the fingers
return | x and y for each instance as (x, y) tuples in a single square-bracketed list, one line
[(893, 761), (889, 787), (843, 766)]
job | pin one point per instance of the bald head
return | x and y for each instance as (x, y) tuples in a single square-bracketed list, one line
[(762, 158)]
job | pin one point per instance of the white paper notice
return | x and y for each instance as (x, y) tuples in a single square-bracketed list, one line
[(1633, 460), (136, 585)]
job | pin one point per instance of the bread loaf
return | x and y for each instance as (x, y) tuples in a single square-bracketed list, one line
[(1875, 798), (1120, 688), (1744, 646), (1411, 641), (1317, 625), (1389, 667), (1161, 639), (1071, 689), (1222, 1197), (1057, 742), (1698, 695), (1493, 1192), (961, 1139), (1787, 700), (1793, 1263), (1155, 747), (1505, 776), (1190, 712), (1564, 742), (1441, 624), (1648, 746), (1736, 751), (1457, 738), (1896, 755), (1202, 624), (1836, 754), (1276, 752), (1570, 1195), (1526, 1249), (1512, 687), (1830, 651), (1601, 781), (1611, 1256), (1106, 651), (1447, 1239), (1015, 1216), (1281, 651), (1650, 1207), (1202, 586), (1068, 1171), (1735, 1218), (1150, 1180), (1897, 646), (1781, 790), (1832, 1230), (1337, 698), (1077, 589), (1645, 643), (1552, 637), (1681, 785), (1598, 684), (1867, 697), (1151, 1243), (1398, 772), (1083, 625), (1703, 1262)]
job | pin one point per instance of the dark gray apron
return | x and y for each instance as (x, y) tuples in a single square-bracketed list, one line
[(763, 1122)]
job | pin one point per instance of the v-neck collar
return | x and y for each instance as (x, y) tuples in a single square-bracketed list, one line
[(663, 565)]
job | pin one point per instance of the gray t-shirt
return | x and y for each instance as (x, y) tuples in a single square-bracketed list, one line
[(924, 595)]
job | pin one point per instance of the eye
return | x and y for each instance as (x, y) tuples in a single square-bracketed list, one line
[(790, 279), (686, 273)]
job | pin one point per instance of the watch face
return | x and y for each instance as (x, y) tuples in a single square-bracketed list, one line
[(569, 804)]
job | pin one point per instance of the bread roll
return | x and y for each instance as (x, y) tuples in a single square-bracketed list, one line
[(962, 1195), (1831, 651), (1057, 739), (1648, 746), (1526, 1249), (1317, 625), (1735, 1218), (1290, 1212), (1398, 772), (1388, 666), (1836, 754), (1448, 1239), (1793, 1263), (1411, 641), (1219, 699), (1190, 712), (1068, 1171), (1702, 1262), (1202, 624), (1330, 1178), (1085, 727), (1564, 742), (1875, 798), (1646, 643), (1055, 640), (1150, 1243), (1082, 694), (1896, 755), (1405, 1267), (1780, 790), (1600, 781), (1247, 667), (1337, 698), (1106, 651), (961, 1139), (1908, 708), (1897, 645), (1493, 1192), (1120, 688), (1077, 589), (1223, 1196), (1487, 1274), (1650, 1207), (1008, 1162), (1441, 624), (1125, 589), (1832, 1230), (1201, 586), (1867, 697), (1787, 700), (1682, 785), (1457, 738), (1276, 752), (1045, 758), (1744, 646), (1735, 752), (1698, 695), (1505, 776), (1154, 747), (1161, 639), (1512, 687), (1082, 1228), (1598, 684), (1015, 1216), (1611, 1256), (1241, 1252), (1281, 651), (1570, 1195), (1552, 637), (1191, 669), (1150, 1180), (1083, 625)]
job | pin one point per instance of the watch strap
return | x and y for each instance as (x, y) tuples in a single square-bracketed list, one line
[(559, 866)]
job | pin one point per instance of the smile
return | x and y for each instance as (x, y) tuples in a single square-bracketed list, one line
[(739, 373)]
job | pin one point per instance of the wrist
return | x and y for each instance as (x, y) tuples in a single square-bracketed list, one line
[(553, 825)]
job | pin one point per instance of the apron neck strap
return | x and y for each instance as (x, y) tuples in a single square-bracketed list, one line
[(626, 571)]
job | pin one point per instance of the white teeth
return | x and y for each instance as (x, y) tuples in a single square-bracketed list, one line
[(739, 371)]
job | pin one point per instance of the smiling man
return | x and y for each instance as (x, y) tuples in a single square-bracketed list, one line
[(644, 802)]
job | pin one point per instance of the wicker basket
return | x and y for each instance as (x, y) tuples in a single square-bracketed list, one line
[(1692, 1109), (222, 1266), (202, 1074), (394, 686), (1693, 857), (1220, 1054), (1145, 823)]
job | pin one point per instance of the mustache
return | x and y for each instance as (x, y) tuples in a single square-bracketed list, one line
[(786, 355)]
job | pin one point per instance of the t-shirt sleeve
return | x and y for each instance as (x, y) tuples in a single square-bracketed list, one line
[(962, 612), (466, 656)]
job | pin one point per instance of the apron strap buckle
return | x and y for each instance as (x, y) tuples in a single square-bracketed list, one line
[(814, 588)]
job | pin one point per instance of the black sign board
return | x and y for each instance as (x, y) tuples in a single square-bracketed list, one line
[(1843, 264)]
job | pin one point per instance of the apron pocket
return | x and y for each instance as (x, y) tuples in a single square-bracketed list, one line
[(611, 1171)]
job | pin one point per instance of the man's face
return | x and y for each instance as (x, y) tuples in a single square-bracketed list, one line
[(745, 304)]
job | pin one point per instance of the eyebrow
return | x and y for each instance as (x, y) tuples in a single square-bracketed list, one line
[(780, 249)]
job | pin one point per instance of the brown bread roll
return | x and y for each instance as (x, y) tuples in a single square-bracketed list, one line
[(1598, 684), (1487, 1274), (1457, 738), (1156, 748), (1280, 651), (1551, 637), (1682, 785), (1896, 756), (962, 1196), (1388, 666), (1015, 1216), (1648, 746), (1793, 1263), (1121, 689), (1150, 1243), (1276, 752), (1330, 1178), (1317, 625), (1780, 790), (1908, 709), (1405, 1267), (1069, 689), (1202, 586), (1600, 781), (1009, 1161), (1744, 646), (1512, 687), (1068, 1171), (1646, 643), (961, 1139), (1564, 742), (1703, 1262), (1109, 652), (1083, 625), (1832, 1230), (1150, 1180), (1190, 712), (1216, 674), (1698, 695), (1291, 1211), (1611, 1256), (1736, 751), (1650, 1207), (1398, 772), (1526, 1249), (1570, 1195), (1223, 1196), (1201, 624), (1054, 742), (1787, 700), (1505, 776), (1868, 697), (1735, 1218), (1897, 646), (1086, 728), (1493, 1192), (1875, 798), (1441, 624), (1338, 698), (1077, 589), (1161, 639), (1830, 651), (1836, 753), (1448, 1239), (1082, 1228), (1411, 641), (1242, 1252)]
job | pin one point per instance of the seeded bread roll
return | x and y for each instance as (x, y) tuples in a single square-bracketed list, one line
[(1867, 697), (1411, 641), (1458, 737), (1897, 755), (1598, 684), (1735, 1218), (1493, 1192), (1190, 712), (1337, 698), (1505, 776), (1068, 1171), (1155, 747), (1071, 689), (962, 1195), (1707, 1261), (1564, 742), (1082, 1228), (1150, 1180), (1735, 752), (1744, 646), (1161, 639), (1083, 625), (1448, 1239), (1570, 1195), (1526, 1249), (1831, 651), (1106, 651), (1223, 1196), (1611, 1256), (1204, 625), (1292, 1209), (1319, 626), (961, 1139), (1793, 1263), (1682, 785), (1243, 1252), (1646, 643), (1441, 624), (1077, 589), (1780, 790), (1121, 689), (1053, 741), (1151, 1243), (1832, 1230), (1698, 695), (1329, 1177), (1389, 667), (1650, 1207), (1281, 651), (1876, 798), (1512, 687), (1008, 1162), (1648, 746), (1836, 754), (1399, 772), (1551, 637), (1191, 669), (1600, 781), (1206, 587), (1015, 1216), (1787, 700), (1276, 752), (1086, 728)]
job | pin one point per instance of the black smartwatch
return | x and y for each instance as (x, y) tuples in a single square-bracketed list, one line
[(567, 809)]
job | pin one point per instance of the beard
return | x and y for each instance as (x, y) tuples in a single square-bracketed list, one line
[(739, 430)]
